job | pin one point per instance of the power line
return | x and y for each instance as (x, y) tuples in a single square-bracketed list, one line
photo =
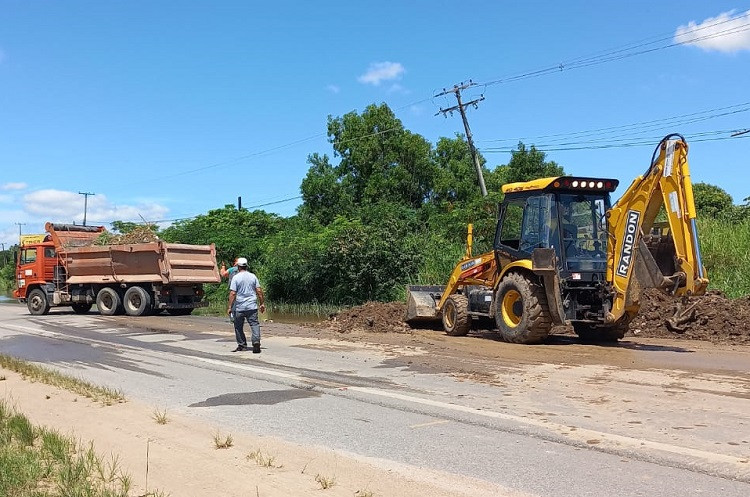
[(626, 51), (615, 143), (651, 125)]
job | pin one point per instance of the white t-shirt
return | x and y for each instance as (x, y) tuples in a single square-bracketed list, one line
[(245, 284)]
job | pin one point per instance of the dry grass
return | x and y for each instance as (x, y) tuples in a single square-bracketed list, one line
[(364, 493), (263, 459), (32, 372), (221, 442), (324, 481), (160, 416)]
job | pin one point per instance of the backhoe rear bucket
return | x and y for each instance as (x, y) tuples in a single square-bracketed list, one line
[(421, 302)]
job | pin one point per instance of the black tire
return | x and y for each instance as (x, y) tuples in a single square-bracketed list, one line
[(108, 302), (37, 302), (521, 310), (180, 312), (137, 301), (609, 334), (81, 308), (456, 319)]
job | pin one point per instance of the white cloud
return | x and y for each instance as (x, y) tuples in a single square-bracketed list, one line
[(333, 88), (381, 71), (13, 186), (723, 33), (67, 207)]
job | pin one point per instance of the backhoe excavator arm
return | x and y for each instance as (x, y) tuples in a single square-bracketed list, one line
[(675, 265)]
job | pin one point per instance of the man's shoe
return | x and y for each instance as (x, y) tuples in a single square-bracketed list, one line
[(239, 348), (256, 348)]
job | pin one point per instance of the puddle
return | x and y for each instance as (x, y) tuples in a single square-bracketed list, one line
[(264, 397)]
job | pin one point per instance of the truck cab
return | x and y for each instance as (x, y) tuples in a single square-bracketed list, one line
[(35, 274)]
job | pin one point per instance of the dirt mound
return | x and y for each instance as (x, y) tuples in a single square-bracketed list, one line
[(378, 317), (712, 317), (140, 234)]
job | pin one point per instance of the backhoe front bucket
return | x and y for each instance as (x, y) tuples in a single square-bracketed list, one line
[(421, 302)]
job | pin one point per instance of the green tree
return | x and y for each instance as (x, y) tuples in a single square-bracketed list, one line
[(236, 233), (379, 160), (711, 200), (528, 164)]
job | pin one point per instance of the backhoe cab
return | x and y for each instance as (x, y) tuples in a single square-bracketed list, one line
[(564, 255)]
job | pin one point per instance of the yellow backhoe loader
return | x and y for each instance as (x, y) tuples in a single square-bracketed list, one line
[(564, 255)]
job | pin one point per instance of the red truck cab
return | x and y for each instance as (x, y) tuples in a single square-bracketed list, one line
[(35, 273)]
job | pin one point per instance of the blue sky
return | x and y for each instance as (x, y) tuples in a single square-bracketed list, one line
[(169, 109)]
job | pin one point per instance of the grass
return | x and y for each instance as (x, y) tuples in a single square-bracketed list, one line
[(39, 462), (364, 493), (724, 246), (221, 442), (160, 416), (301, 310), (324, 481), (262, 459), (33, 372)]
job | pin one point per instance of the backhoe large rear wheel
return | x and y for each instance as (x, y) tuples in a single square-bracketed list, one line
[(521, 310), (456, 319), (588, 333)]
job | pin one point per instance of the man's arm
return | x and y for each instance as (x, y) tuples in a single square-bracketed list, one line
[(232, 296)]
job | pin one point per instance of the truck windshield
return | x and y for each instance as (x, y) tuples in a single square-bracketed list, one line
[(583, 231)]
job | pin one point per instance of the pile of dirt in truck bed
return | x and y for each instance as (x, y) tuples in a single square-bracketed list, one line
[(377, 317), (712, 317), (141, 234)]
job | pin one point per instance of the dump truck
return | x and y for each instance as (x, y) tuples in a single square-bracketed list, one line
[(564, 255), (68, 268)]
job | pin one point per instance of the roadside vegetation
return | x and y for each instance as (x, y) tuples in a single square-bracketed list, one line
[(33, 372), (40, 462), (388, 209)]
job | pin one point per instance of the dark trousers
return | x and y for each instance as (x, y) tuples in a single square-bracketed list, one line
[(239, 325)]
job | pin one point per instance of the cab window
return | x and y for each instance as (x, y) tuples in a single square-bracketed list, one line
[(28, 255), (49, 252)]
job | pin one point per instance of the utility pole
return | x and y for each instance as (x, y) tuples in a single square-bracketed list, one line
[(85, 204), (19, 231), (460, 107)]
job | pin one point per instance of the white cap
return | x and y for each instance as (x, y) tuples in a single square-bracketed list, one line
[(241, 261)]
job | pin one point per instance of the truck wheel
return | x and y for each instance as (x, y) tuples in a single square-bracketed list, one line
[(81, 308), (456, 319), (137, 301), (588, 333), (37, 302), (521, 310), (108, 301)]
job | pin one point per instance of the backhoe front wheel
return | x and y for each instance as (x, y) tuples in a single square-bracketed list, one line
[(521, 310), (456, 319)]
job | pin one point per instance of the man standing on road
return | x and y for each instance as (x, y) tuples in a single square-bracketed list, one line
[(246, 295)]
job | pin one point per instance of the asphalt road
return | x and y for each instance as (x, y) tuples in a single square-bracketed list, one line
[(352, 398)]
